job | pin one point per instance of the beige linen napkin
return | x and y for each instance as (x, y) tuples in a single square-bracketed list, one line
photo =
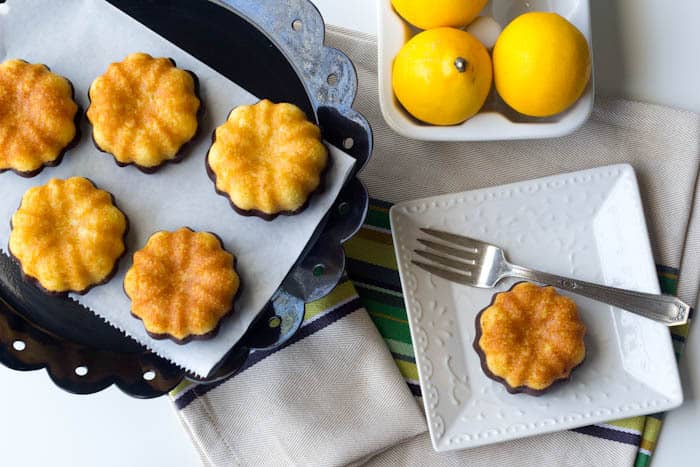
[(334, 396), (330, 398)]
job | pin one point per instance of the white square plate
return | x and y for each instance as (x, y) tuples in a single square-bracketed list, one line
[(588, 225), (495, 121)]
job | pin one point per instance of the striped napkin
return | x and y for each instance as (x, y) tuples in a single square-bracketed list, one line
[(344, 390)]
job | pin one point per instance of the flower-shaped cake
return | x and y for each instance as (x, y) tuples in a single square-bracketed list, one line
[(529, 338), (143, 110), (68, 235), (267, 159), (182, 284), (37, 117)]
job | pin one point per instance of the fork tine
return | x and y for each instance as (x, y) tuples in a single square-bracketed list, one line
[(465, 242), (466, 255), (449, 275), (450, 263)]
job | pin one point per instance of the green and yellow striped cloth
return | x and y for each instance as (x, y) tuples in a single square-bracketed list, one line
[(373, 282)]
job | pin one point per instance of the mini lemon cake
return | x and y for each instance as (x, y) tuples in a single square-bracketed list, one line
[(182, 284), (267, 159), (68, 235), (529, 338), (38, 117), (143, 110)]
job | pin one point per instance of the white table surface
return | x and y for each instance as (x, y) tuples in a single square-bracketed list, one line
[(644, 50)]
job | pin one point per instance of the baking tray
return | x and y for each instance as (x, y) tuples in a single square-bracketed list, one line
[(274, 49)]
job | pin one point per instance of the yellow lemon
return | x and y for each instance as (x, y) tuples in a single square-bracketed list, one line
[(442, 76), (428, 14), (541, 64)]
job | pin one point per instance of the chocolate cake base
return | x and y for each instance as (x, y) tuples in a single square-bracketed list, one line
[(254, 212), (72, 144), (33, 280), (484, 367), (180, 155), (211, 334)]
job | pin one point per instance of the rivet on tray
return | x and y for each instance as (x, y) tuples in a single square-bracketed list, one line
[(319, 270), (274, 322), (343, 208)]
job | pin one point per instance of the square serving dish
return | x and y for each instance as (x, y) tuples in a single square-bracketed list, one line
[(587, 225), (496, 121)]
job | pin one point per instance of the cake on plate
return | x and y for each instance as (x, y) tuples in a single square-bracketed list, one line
[(529, 338)]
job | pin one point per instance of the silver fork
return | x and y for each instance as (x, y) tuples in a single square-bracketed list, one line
[(478, 264)]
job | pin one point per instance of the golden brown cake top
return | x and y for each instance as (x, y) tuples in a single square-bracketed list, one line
[(531, 336), (143, 110), (37, 116), (268, 158), (182, 284), (68, 235)]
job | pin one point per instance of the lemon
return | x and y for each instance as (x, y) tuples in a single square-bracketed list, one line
[(442, 76), (541, 64), (428, 14)]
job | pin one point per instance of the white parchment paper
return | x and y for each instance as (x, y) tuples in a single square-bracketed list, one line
[(79, 39)]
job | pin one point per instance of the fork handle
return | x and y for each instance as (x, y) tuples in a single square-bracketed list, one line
[(665, 309)]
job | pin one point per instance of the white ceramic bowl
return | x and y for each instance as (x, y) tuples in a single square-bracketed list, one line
[(496, 121)]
